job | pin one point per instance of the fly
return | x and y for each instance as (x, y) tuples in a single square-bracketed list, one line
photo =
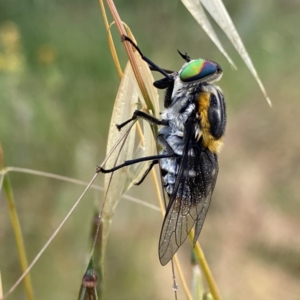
[(192, 126)]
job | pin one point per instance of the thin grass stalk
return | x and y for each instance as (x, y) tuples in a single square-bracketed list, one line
[(115, 56), (74, 181), (110, 40), (198, 286), (120, 72), (181, 276), (89, 185), (49, 240), (1, 289), (205, 268), (130, 55), (17, 230)]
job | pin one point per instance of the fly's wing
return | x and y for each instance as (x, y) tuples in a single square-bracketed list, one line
[(190, 200), (210, 165)]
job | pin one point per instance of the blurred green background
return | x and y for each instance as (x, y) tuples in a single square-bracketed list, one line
[(57, 87)]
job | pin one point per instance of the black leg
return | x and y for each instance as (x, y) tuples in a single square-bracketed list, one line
[(120, 126), (146, 59), (166, 70), (132, 162), (155, 159), (153, 163), (140, 114), (163, 142)]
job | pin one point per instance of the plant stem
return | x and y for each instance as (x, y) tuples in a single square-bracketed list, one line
[(205, 268), (18, 235)]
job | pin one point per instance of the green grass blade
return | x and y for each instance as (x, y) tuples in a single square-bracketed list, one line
[(18, 235), (16, 227)]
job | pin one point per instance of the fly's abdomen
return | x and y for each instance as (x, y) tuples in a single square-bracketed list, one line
[(169, 166), (211, 108), (168, 176), (216, 114)]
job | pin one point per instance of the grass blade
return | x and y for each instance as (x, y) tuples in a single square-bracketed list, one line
[(18, 235), (196, 10), (16, 228), (218, 11), (205, 268)]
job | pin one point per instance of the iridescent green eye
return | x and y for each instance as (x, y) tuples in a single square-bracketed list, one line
[(198, 69)]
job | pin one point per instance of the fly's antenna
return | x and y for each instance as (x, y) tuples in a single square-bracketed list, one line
[(146, 59), (184, 56)]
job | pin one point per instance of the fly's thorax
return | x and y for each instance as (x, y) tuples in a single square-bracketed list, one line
[(182, 108), (181, 89)]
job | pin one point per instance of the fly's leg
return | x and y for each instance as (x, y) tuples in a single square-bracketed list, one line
[(169, 151), (146, 59), (165, 70), (153, 163), (155, 159), (140, 114), (132, 162)]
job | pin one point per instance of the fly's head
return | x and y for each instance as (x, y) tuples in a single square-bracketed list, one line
[(200, 70), (193, 73)]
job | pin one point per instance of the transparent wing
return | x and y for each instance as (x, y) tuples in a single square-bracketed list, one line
[(190, 200)]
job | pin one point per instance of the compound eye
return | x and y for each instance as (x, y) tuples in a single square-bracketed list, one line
[(198, 69)]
